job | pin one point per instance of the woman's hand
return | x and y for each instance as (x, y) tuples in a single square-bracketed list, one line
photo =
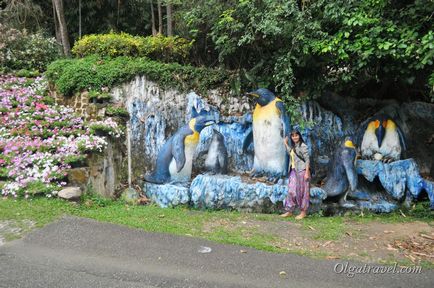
[(285, 141), (307, 175)]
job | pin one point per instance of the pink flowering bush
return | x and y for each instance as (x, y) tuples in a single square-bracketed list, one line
[(38, 140), (107, 127)]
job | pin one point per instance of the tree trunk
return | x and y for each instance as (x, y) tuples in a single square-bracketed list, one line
[(56, 26), (154, 31), (58, 6), (160, 18), (79, 19), (169, 19)]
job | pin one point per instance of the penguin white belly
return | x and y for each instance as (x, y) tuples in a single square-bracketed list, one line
[(391, 147), (369, 144), (270, 152), (185, 173), (211, 158)]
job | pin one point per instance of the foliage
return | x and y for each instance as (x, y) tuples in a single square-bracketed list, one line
[(23, 14), (378, 48), (166, 49), (20, 50), (99, 96), (94, 73), (116, 111), (38, 140)]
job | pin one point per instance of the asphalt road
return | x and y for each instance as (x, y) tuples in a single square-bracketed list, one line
[(76, 252)]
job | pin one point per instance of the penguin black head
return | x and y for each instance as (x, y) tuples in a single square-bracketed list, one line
[(379, 124), (198, 123), (263, 96)]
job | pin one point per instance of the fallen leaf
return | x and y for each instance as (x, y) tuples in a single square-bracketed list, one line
[(389, 247), (388, 231), (349, 233), (427, 236), (311, 228), (282, 274), (332, 257), (243, 251), (402, 213), (326, 243), (422, 254), (161, 216), (412, 259)]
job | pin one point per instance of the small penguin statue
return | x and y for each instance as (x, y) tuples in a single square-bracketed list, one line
[(216, 160)]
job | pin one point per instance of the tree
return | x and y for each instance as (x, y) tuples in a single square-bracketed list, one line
[(160, 18), (379, 48), (60, 16), (154, 31), (169, 19)]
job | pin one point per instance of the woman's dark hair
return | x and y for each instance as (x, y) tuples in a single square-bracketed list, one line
[(299, 134)]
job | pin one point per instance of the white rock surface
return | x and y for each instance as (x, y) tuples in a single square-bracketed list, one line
[(70, 193)]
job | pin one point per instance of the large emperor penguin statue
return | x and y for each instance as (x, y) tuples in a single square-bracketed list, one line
[(270, 126), (382, 139), (175, 159)]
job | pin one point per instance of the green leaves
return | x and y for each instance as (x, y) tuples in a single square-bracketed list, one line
[(94, 73), (166, 49)]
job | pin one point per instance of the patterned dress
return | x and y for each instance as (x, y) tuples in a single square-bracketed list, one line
[(298, 187)]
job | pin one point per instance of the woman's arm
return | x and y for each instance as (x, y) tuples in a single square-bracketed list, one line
[(305, 154), (285, 141)]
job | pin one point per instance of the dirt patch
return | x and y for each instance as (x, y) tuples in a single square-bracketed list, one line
[(368, 242)]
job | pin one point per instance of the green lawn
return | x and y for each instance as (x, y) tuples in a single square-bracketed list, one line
[(220, 226)]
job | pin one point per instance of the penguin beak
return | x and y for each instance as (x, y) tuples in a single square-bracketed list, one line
[(209, 123), (349, 144), (379, 132), (252, 94)]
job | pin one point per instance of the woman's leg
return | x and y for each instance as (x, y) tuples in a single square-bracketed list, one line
[(303, 194), (289, 202)]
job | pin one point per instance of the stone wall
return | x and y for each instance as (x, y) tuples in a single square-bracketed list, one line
[(79, 101)]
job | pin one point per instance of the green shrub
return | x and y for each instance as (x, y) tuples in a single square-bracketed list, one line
[(166, 49), (111, 45), (27, 73), (19, 50), (99, 96), (94, 73), (117, 111)]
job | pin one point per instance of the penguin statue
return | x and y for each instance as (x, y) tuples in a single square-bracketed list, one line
[(270, 126), (175, 159), (382, 140), (217, 158), (341, 174)]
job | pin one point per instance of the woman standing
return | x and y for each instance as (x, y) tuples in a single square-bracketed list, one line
[(299, 176)]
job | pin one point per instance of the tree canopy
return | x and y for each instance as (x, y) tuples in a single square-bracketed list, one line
[(370, 48)]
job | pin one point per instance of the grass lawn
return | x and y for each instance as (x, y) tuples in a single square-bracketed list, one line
[(261, 231)]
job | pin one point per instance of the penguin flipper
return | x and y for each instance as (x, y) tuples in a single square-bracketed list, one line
[(223, 163), (178, 151), (247, 141), (286, 126), (401, 138), (156, 179), (348, 157)]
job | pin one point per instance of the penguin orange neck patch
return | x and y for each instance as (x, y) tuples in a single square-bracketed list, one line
[(194, 138), (266, 111)]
